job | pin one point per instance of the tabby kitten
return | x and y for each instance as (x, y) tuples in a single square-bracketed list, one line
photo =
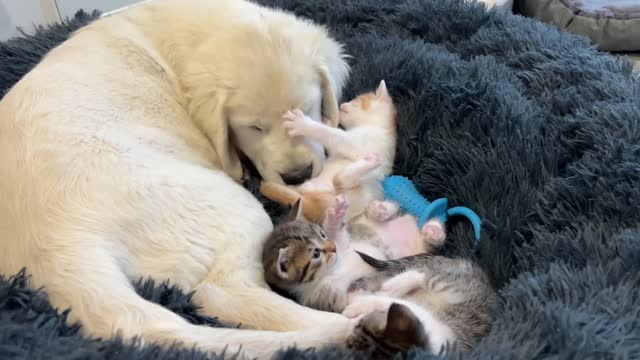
[(313, 266), (383, 334), (451, 298), (316, 265), (296, 251)]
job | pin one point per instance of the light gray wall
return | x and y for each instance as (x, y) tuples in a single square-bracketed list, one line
[(68, 8), (27, 13)]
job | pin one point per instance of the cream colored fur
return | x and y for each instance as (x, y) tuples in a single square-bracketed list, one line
[(120, 160)]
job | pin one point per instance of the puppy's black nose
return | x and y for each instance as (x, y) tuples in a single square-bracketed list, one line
[(297, 176)]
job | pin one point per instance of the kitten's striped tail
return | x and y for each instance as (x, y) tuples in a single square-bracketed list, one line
[(377, 264)]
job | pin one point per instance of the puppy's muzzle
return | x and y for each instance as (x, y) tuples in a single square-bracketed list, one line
[(297, 176)]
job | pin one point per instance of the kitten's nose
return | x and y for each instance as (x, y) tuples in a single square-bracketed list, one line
[(344, 108), (297, 176), (331, 247)]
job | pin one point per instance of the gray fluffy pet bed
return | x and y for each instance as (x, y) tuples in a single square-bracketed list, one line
[(532, 128)]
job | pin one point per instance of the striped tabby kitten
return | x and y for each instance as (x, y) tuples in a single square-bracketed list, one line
[(451, 298), (317, 265), (423, 300), (312, 263)]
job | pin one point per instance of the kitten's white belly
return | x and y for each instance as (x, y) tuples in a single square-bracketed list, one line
[(350, 267), (324, 181)]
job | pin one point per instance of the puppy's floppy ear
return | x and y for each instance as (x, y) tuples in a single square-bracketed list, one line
[(330, 111), (333, 72), (212, 117), (296, 211)]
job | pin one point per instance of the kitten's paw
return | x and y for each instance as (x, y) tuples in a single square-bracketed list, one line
[(382, 211), (295, 122), (365, 304), (334, 217), (373, 159), (433, 232), (341, 205), (402, 284)]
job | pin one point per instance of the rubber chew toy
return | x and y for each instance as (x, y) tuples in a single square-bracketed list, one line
[(401, 190)]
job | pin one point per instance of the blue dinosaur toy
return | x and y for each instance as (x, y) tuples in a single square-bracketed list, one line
[(401, 190)]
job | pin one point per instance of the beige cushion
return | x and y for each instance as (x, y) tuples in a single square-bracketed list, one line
[(614, 25)]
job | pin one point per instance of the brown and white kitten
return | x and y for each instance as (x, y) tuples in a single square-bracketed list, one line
[(317, 265), (297, 251), (442, 302), (310, 264), (359, 156), (451, 298)]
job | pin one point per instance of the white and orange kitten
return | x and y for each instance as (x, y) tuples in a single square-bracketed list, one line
[(360, 156)]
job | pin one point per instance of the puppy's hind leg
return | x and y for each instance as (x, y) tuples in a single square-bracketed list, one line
[(102, 299), (89, 281), (255, 307)]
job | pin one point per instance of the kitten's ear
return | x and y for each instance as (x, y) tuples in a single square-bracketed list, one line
[(296, 211), (404, 327), (381, 91), (283, 259)]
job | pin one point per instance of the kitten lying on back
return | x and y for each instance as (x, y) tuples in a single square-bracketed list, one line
[(452, 300), (359, 156), (427, 301), (317, 264)]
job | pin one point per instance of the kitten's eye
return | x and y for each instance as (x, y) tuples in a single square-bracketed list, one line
[(257, 128), (283, 267), (323, 235), (316, 254)]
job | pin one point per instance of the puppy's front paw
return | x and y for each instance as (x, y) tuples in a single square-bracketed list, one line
[(295, 122)]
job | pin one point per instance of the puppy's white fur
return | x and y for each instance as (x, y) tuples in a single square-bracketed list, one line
[(119, 155)]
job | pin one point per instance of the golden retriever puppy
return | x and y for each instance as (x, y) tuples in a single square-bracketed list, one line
[(120, 159)]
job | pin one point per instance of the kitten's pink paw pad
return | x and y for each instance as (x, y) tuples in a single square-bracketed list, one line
[(382, 210), (341, 205), (336, 213), (433, 232), (373, 158)]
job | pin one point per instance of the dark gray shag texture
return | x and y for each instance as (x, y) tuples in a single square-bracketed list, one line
[(532, 128)]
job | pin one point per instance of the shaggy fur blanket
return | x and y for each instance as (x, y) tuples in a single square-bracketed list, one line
[(532, 128)]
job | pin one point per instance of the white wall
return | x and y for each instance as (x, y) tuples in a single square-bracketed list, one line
[(68, 8), (27, 13)]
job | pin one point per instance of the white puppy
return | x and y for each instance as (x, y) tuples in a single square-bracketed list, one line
[(120, 159)]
